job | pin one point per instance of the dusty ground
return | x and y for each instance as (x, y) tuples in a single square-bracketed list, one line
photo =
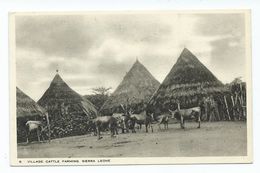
[(213, 139)]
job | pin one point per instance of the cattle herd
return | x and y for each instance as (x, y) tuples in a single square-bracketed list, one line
[(127, 122)]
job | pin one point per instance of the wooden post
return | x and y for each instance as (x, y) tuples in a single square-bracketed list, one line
[(233, 104), (236, 103), (225, 100), (232, 101), (48, 125), (241, 94), (242, 107), (242, 101)]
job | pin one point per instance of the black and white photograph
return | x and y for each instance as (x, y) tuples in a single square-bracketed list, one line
[(130, 87)]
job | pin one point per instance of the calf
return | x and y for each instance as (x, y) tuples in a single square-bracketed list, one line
[(187, 114)]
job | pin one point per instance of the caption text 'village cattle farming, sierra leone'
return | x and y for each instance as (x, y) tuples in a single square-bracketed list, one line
[(189, 113)]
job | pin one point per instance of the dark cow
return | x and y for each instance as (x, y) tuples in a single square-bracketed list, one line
[(142, 118), (106, 122)]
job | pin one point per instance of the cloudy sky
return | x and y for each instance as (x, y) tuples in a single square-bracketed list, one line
[(94, 50)]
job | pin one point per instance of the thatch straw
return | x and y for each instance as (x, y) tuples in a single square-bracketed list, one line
[(69, 112), (136, 88), (26, 109), (187, 82)]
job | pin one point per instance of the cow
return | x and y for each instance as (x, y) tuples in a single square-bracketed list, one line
[(163, 119), (187, 114), (106, 122), (142, 118), (123, 122), (37, 126), (120, 121)]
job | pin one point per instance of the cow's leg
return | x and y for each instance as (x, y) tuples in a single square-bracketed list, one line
[(146, 127), (199, 120), (95, 131), (127, 130), (126, 126), (27, 137), (43, 139), (112, 132), (182, 122), (38, 135), (159, 125), (116, 130), (98, 133), (42, 136), (133, 126), (151, 127)]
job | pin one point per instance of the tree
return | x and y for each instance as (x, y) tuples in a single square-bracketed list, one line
[(101, 91), (99, 96)]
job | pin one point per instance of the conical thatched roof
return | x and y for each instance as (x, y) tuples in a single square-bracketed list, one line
[(188, 70), (137, 87), (188, 79), (59, 98), (69, 112), (27, 107)]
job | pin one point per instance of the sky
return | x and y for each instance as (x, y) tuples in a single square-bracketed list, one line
[(97, 49)]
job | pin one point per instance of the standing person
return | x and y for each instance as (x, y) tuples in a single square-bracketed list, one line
[(213, 110), (202, 105)]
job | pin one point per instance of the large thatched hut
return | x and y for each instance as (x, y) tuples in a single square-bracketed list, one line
[(68, 111), (26, 109), (135, 90), (189, 82)]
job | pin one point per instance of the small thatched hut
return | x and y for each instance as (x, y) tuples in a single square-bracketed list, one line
[(189, 82), (68, 111), (134, 91), (26, 109)]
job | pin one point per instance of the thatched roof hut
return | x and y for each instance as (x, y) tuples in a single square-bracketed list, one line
[(26, 109), (187, 83), (135, 90), (69, 112)]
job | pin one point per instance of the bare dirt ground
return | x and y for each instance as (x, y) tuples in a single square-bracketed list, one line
[(212, 139)]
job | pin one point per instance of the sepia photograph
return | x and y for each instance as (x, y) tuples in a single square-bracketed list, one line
[(130, 87)]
